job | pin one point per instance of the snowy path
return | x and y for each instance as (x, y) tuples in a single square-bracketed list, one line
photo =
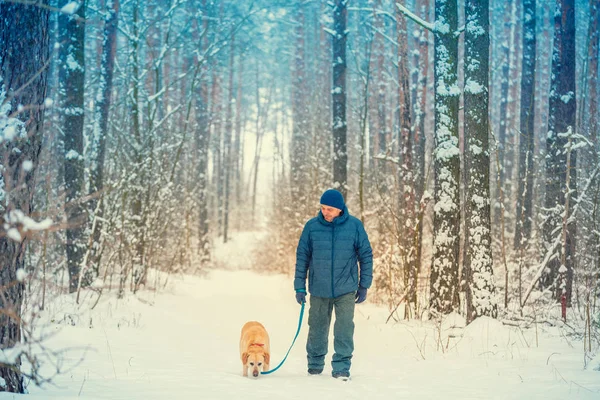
[(183, 344)]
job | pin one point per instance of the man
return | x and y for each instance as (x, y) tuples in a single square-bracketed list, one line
[(330, 248)]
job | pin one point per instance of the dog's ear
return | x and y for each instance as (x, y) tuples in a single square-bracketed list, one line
[(245, 357), (267, 358)]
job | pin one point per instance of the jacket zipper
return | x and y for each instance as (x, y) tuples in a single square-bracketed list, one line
[(332, 257)]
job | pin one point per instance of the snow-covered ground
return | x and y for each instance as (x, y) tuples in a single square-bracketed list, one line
[(182, 343)]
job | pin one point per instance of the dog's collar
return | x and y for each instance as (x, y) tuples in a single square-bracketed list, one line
[(257, 344)]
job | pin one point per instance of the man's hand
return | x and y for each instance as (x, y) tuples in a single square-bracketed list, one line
[(361, 295), (301, 297)]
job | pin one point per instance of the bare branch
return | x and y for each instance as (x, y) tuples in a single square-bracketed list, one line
[(550, 252), (427, 25)]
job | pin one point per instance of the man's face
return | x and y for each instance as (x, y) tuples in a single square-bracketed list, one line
[(329, 213)]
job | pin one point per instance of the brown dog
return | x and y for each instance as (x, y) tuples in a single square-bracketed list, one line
[(255, 349)]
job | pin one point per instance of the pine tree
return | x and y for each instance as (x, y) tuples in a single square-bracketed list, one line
[(202, 134), (446, 220), (24, 57), (299, 145), (479, 263), (72, 79), (527, 133), (98, 146), (407, 211), (340, 154), (561, 160)]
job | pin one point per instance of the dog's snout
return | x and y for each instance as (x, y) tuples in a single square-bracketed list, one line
[(255, 373)]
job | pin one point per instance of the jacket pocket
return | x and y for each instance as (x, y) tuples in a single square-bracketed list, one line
[(352, 268)]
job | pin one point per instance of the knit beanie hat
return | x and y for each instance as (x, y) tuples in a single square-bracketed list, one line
[(333, 198)]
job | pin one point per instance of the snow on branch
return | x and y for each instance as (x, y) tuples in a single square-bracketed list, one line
[(70, 8), (330, 31), (427, 25), (374, 11), (17, 218)]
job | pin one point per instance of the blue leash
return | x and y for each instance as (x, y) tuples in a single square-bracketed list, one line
[(294, 341)]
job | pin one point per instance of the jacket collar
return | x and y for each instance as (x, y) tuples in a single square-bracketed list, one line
[(336, 221)]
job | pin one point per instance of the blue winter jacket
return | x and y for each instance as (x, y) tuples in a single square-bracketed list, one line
[(329, 252)]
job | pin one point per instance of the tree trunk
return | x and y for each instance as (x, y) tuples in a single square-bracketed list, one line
[(502, 130), (408, 221), (72, 79), (593, 278), (228, 134), (592, 78), (543, 72), (137, 204), (479, 260), (299, 144), (323, 114), (238, 153), (24, 60), (363, 124), (561, 125), (98, 151), (421, 136), (526, 142), (503, 145), (202, 139), (340, 154), (380, 88), (446, 220), (512, 108)]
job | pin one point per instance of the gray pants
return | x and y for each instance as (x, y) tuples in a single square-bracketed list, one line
[(319, 320)]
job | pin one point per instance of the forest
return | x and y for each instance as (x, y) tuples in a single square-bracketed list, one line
[(134, 135)]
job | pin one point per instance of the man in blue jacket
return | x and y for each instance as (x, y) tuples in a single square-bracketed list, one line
[(331, 246)]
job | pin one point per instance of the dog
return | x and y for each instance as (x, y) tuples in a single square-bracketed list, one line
[(255, 349)]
